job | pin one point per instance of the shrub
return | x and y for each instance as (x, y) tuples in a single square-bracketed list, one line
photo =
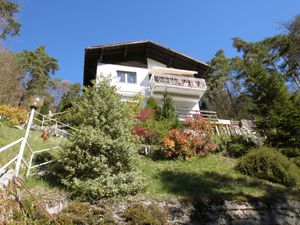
[(139, 214), (13, 115), (78, 213), (222, 141), (239, 146), (100, 158), (195, 139), (293, 154), (269, 164)]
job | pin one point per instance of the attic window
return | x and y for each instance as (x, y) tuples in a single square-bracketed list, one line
[(126, 77)]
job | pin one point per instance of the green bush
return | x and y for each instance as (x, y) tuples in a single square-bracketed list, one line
[(296, 160), (270, 164), (139, 214), (239, 146), (78, 213), (222, 141), (293, 154), (99, 160)]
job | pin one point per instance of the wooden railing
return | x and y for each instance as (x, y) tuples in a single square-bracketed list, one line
[(209, 115)]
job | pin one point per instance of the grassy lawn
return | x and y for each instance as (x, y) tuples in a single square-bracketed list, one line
[(10, 134), (211, 177)]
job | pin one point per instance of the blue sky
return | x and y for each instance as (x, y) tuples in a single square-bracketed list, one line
[(196, 28)]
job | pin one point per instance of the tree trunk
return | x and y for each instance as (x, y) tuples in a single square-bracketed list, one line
[(297, 81)]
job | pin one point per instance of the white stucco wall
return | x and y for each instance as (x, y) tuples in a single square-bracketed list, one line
[(126, 89), (141, 86), (151, 63)]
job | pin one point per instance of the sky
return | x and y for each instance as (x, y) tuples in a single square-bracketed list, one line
[(196, 28)]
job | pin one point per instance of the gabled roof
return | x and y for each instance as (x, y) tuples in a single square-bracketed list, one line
[(138, 51)]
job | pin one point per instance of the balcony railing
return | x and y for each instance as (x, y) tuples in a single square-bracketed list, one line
[(179, 81)]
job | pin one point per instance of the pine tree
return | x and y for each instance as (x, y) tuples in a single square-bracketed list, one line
[(168, 111)]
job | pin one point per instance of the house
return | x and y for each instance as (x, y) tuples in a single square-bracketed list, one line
[(148, 68)]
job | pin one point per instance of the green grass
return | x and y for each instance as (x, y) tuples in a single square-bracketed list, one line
[(10, 134), (211, 177)]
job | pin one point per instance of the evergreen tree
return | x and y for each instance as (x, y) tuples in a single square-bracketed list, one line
[(99, 159), (275, 115), (152, 104), (168, 111), (38, 66), (8, 22)]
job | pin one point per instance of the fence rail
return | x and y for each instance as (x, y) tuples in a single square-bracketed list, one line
[(19, 158)]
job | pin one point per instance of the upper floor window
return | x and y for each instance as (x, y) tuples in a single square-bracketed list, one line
[(126, 77)]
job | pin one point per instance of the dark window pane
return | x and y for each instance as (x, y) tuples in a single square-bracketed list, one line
[(120, 76), (131, 78)]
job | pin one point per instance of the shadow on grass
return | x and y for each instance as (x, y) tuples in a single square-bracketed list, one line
[(211, 185), (210, 189)]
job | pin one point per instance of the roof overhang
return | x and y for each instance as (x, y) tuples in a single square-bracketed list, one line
[(139, 52)]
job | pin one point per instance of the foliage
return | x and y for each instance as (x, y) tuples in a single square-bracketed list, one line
[(168, 111), (45, 107), (134, 104), (193, 140), (224, 94), (58, 88), (78, 213), (293, 154), (38, 66), (8, 22), (239, 146), (152, 104), (11, 76), (269, 164), (69, 97), (14, 115), (265, 85), (153, 124), (140, 214), (159, 129), (99, 158), (142, 128), (222, 141)]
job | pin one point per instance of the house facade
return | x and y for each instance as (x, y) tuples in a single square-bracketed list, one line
[(150, 69)]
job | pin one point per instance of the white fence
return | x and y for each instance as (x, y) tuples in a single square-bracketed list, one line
[(45, 122)]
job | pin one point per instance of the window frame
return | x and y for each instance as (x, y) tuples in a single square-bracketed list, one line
[(126, 73)]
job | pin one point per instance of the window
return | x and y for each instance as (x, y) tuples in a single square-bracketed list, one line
[(121, 77), (131, 78), (126, 77)]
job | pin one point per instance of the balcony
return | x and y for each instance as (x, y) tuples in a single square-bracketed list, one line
[(179, 86)]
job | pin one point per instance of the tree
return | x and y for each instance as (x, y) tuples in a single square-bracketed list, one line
[(168, 110), (57, 88), (8, 23), (11, 75), (69, 97), (152, 104), (224, 93), (100, 157), (275, 115), (38, 66)]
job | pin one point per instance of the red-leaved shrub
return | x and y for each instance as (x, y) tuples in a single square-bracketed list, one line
[(193, 140)]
